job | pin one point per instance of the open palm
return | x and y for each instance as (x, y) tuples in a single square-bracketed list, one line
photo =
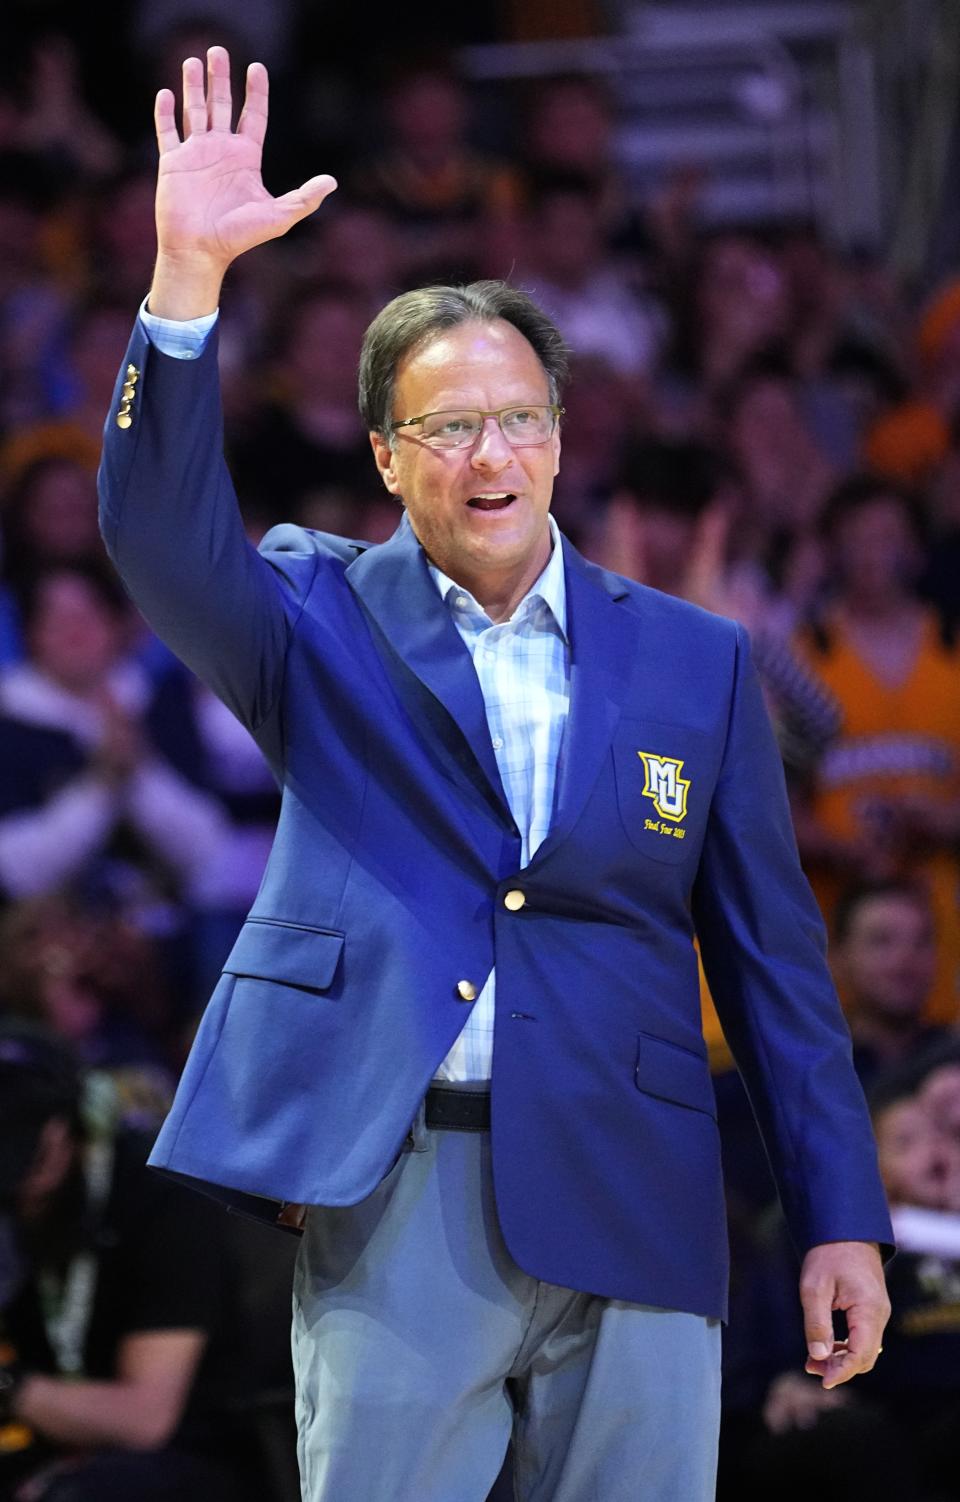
[(211, 202)]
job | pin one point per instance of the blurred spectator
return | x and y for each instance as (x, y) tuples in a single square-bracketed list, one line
[(785, 475), (736, 308), (115, 1329), (569, 130), (167, 31), (79, 388), (96, 982), (307, 442), (353, 246), (32, 303), (56, 121), (602, 410), (909, 441), (434, 185), (884, 958), (895, 1437), (85, 797), (572, 276), (122, 237), (49, 517), (940, 1093), (668, 522), (885, 799)]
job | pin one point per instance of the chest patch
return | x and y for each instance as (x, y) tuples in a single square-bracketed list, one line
[(664, 785)]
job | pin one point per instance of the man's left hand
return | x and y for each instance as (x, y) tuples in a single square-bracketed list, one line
[(845, 1275)]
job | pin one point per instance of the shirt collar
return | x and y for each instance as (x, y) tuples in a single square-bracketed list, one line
[(550, 587)]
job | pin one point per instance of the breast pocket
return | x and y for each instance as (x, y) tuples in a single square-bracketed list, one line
[(664, 778)]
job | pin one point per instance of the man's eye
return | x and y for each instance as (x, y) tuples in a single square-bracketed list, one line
[(456, 425)]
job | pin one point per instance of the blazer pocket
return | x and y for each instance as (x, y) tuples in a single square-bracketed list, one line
[(662, 775), (294, 955), (671, 1072)]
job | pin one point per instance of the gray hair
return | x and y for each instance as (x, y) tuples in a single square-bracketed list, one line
[(415, 317)]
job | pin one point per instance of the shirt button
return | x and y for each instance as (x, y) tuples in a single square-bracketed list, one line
[(466, 990), (462, 601), (515, 900), (497, 742)]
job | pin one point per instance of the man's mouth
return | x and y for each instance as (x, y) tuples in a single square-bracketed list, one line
[(493, 501)]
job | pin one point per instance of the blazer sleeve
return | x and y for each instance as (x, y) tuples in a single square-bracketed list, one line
[(171, 524), (763, 944)]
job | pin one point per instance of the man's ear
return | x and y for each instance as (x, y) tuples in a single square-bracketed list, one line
[(384, 457)]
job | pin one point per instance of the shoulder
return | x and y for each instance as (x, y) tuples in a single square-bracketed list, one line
[(303, 542), (300, 555)]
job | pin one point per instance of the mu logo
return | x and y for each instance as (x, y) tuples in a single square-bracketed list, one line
[(663, 784)]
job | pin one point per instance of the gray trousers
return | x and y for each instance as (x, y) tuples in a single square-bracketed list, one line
[(420, 1346)]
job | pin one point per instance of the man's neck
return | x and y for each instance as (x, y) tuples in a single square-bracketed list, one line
[(499, 594)]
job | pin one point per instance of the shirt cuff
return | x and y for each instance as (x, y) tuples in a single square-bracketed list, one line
[(183, 339)]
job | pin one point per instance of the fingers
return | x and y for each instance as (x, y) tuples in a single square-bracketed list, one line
[(849, 1357), (219, 103), (194, 98), (865, 1325), (165, 121), (300, 202), (818, 1320), (253, 119), (839, 1366)]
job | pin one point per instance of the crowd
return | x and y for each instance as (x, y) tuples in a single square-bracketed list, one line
[(759, 420)]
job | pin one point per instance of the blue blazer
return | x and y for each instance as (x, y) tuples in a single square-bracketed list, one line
[(394, 853)]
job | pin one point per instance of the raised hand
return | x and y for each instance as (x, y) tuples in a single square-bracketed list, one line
[(211, 201)]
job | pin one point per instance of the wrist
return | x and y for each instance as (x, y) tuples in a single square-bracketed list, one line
[(185, 286)]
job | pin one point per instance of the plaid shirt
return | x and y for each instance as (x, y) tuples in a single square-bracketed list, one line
[(184, 339), (523, 665)]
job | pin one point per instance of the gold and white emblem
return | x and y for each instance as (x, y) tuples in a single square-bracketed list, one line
[(663, 784)]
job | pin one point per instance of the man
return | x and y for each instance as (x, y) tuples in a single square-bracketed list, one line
[(885, 959), (513, 782), (114, 1346)]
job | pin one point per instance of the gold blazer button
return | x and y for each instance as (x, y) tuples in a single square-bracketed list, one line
[(515, 900), (466, 990)]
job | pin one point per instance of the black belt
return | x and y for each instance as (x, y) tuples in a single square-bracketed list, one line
[(458, 1110)]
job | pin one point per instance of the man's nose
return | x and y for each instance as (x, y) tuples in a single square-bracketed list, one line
[(491, 450)]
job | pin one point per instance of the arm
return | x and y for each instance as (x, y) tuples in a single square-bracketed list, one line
[(186, 827), (42, 847), (169, 515), (139, 1410), (764, 953)]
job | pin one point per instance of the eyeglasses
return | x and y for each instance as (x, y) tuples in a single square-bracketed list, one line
[(523, 427)]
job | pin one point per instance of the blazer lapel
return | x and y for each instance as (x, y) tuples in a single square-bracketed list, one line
[(394, 585), (604, 651)]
